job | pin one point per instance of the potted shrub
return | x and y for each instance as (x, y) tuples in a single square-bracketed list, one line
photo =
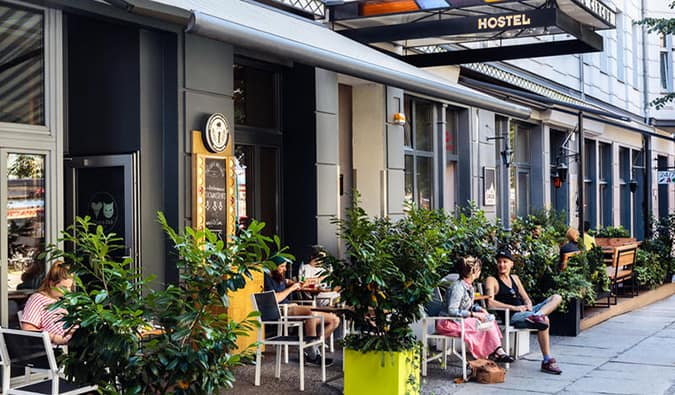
[(388, 274), (113, 306)]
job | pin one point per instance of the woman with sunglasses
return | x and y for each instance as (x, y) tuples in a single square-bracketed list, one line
[(507, 292), (483, 340)]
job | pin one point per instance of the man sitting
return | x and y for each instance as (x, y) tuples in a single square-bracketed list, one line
[(507, 292)]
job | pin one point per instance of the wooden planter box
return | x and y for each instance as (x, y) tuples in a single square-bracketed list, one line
[(614, 241), (381, 373), (568, 323)]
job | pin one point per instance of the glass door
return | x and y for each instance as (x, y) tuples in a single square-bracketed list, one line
[(22, 209), (258, 185), (105, 188)]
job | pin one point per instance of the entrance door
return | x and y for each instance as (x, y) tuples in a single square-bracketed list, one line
[(105, 188), (258, 185)]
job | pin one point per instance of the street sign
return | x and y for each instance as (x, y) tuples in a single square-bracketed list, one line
[(666, 177)]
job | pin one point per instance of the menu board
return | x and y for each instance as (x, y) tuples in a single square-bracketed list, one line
[(215, 196)]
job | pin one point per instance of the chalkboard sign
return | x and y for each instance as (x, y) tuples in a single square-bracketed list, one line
[(216, 196)]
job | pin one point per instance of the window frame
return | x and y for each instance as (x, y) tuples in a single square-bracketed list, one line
[(414, 153)]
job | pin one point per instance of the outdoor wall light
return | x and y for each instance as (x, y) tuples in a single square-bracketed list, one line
[(399, 119), (561, 171), (507, 156), (632, 184)]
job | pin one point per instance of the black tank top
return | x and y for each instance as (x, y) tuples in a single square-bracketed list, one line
[(509, 295)]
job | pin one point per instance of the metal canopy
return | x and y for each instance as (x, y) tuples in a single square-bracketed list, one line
[(442, 32)]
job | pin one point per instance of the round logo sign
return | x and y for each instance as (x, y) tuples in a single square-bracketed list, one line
[(103, 210), (216, 133)]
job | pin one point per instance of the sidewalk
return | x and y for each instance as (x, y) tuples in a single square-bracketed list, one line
[(630, 354)]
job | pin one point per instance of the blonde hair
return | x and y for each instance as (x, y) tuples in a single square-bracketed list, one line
[(572, 234), (57, 273), (468, 265)]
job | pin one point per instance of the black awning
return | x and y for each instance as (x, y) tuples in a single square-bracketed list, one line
[(444, 32)]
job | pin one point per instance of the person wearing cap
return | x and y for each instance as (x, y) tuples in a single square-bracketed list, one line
[(283, 288), (481, 333), (506, 291)]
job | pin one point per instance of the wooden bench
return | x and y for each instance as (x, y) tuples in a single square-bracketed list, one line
[(620, 269)]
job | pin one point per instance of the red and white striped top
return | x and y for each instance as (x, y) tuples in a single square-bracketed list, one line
[(37, 313)]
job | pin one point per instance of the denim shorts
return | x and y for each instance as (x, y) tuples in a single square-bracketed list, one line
[(521, 316)]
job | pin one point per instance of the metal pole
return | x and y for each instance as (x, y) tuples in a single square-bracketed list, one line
[(580, 179)]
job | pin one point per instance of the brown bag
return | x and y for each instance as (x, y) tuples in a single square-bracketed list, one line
[(486, 372)]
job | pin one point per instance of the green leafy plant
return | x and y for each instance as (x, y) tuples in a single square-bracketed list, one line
[(573, 283), (611, 231), (195, 352), (389, 273), (649, 268)]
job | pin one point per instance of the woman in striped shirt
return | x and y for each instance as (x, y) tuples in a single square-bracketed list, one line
[(36, 313)]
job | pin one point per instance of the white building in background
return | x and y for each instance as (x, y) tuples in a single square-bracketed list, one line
[(634, 68)]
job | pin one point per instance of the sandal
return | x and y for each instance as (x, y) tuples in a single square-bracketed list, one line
[(501, 358)]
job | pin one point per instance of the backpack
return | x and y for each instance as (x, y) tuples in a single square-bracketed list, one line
[(485, 371)]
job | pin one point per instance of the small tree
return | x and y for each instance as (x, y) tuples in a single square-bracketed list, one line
[(113, 306)]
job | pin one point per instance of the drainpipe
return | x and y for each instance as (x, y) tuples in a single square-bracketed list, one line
[(645, 77), (580, 177)]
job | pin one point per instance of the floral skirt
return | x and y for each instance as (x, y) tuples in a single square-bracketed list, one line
[(481, 342)]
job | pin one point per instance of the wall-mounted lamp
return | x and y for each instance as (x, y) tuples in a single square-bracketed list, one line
[(507, 156), (557, 181), (562, 170), (399, 119), (632, 184)]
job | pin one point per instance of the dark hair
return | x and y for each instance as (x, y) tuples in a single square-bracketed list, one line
[(587, 226), (318, 253), (468, 265)]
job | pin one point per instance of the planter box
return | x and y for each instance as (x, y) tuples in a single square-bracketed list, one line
[(614, 241), (568, 323), (381, 373)]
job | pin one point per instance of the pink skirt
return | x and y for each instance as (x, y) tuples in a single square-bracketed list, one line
[(481, 343)]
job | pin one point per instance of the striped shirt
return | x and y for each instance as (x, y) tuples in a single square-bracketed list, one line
[(37, 313)]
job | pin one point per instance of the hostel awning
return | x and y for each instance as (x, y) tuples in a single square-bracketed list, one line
[(261, 28)]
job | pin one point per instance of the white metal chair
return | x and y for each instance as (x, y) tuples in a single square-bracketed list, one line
[(446, 349), (34, 350), (507, 329), (266, 304)]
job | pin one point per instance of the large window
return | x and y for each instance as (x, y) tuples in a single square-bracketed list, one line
[(605, 184), (519, 179), (22, 93), (255, 97), (624, 187), (559, 200), (620, 49), (590, 213), (452, 158), (419, 152), (25, 227), (666, 62)]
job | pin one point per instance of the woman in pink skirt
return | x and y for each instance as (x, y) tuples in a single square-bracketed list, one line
[(483, 342)]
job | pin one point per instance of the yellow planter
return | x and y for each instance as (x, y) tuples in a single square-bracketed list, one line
[(365, 373)]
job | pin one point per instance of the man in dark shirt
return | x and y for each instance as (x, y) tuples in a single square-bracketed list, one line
[(283, 288), (507, 292)]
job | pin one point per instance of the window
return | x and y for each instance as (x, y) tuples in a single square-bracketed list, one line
[(603, 55), (451, 165), (419, 155), (624, 188), (25, 225), (590, 200), (519, 179), (559, 200), (605, 184), (637, 177), (620, 49), (635, 56), (255, 98), (22, 71), (666, 62)]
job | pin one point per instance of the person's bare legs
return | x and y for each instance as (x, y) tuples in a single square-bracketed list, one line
[(552, 304), (544, 341)]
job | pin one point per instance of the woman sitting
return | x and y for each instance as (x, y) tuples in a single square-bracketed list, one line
[(36, 314), (484, 341), (314, 273)]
